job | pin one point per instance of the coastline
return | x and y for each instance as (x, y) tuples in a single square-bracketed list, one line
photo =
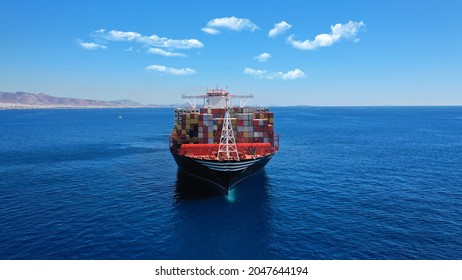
[(13, 106)]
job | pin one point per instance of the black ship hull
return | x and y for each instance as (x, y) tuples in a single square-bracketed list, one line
[(222, 174)]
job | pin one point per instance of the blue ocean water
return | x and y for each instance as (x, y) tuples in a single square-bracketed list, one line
[(348, 183)]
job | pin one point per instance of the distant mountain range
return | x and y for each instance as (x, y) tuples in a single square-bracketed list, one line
[(24, 100)]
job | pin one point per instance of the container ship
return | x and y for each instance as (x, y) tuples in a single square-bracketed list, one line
[(221, 143)]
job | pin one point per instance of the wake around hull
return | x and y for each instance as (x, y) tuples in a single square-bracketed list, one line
[(222, 174)]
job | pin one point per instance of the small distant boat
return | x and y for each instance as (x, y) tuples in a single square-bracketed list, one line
[(120, 117)]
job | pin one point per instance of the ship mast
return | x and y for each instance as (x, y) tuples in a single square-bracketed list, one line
[(227, 149)]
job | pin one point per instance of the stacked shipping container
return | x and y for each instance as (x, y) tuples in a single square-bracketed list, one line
[(204, 125), (245, 127)]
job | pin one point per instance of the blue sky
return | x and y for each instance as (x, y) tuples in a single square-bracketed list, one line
[(319, 52)]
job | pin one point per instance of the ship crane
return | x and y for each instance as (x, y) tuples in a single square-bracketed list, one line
[(192, 99)]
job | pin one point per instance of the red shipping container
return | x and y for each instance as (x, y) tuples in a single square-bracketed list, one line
[(258, 139)]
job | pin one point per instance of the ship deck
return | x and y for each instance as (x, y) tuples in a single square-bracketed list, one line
[(246, 151)]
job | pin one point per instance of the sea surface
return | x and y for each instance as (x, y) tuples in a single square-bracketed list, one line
[(347, 183)]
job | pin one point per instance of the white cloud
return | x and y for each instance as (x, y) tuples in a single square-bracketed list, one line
[(153, 40), (293, 74), (163, 42), (263, 57), (171, 70), (211, 31), (115, 35), (232, 23), (91, 46), (256, 73), (165, 53), (339, 31), (263, 74), (278, 29)]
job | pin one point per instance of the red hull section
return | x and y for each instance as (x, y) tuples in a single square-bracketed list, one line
[(209, 151)]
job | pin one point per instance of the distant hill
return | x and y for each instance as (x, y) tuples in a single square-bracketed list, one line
[(23, 100), (127, 102)]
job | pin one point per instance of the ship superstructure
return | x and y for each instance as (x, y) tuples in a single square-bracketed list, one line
[(222, 143)]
